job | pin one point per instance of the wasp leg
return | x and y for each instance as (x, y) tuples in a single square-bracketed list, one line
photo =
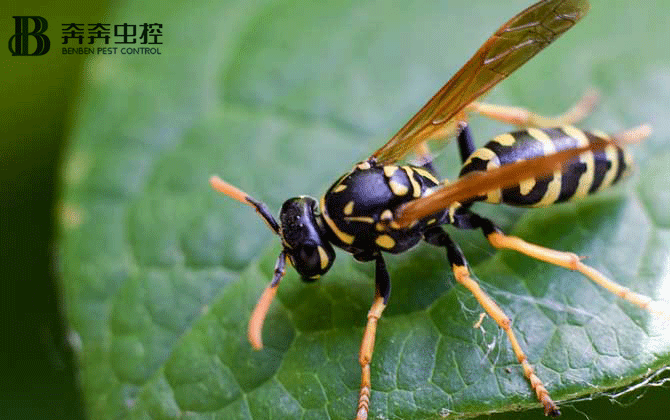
[(522, 117), (564, 259), (632, 136), (466, 144), (382, 292), (436, 236), (424, 158)]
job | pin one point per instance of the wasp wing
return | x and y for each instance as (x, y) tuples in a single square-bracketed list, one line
[(516, 42), (479, 183)]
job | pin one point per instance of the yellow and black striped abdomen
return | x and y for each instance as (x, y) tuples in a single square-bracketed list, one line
[(592, 172)]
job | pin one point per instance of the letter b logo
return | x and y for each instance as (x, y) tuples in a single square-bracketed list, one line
[(18, 43)]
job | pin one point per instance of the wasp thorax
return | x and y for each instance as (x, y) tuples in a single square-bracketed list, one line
[(304, 239)]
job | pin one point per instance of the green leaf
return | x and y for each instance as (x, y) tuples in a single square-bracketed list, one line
[(160, 274)]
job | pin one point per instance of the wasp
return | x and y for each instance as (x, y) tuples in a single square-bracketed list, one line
[(384, 206)]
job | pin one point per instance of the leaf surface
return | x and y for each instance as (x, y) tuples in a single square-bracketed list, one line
[(160, 274)]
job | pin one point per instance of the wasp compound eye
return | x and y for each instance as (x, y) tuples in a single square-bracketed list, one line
[(311, 261), (309, 255)]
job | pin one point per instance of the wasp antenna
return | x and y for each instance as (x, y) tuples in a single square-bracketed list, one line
[(255, 329), (225, 188), (633, 135)]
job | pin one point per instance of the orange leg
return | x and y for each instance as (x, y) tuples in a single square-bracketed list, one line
[(632, 136), (573, 262), (382, 292), (463, 277), (438, 237), (365, 356), (522, 117)]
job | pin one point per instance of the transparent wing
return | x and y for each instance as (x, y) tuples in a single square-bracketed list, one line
[(516, 42), (480, 183)]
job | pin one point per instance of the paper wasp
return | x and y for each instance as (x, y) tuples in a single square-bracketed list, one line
[(382, 206)]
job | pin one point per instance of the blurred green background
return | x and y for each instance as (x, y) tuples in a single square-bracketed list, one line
[(39, 96)]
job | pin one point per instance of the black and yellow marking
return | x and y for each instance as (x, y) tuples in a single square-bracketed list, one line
[(426, 174), (363, 165), (416, 188), (401, 180), (592, 172), (389, 171), (397, 188), (385, 241), (358, 207), (348, 208), (361, 219), (340, 188), (342, 236), (340, 185), (323, 257)]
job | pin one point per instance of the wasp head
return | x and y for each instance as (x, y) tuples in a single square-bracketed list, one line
[(304, 237)]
